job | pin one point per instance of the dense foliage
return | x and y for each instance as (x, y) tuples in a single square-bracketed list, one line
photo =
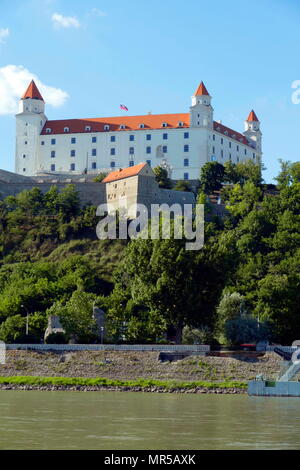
[(243, 286)]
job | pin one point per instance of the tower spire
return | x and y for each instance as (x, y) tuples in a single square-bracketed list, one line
[(201, 90), (252, 117), (32, 92)]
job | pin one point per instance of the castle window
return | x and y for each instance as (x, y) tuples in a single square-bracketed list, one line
[(213, 149), (66, 129), (148, 150), (131, 150), (25, 142), (53, 154), (88, 128), (222, 153), (254, 156), (112, 164), (165, 136), (73, 140), (213, 158), (238, 148), (131, 163), (72, 166), (24, 169), (165, 149), (164, 124), (24, 156), (131, 138), (186, 148), (94, 140), (148, 137), (42, 143), (214, 137), (245, 151), (106, 127), (222, 140), (53, 141), (186, 135), (73, 152), (122, 126), (226, 132), (52, 167), (142, 126), (94, 152), (230, 145), (238, 159), (149, 162), (180, 124), (94, 165), (113, 151), (185, 176), (112, 138), (186, 162), (230, 156), (48, 130)]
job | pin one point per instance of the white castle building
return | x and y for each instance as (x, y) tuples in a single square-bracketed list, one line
[(182, 143)]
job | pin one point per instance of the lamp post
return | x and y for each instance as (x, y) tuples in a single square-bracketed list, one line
[(27, 319)]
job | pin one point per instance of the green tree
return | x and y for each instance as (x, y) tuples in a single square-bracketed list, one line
[(211, 177), (161, 176)]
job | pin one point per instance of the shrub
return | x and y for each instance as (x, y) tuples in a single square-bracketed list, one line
[(56, 338)]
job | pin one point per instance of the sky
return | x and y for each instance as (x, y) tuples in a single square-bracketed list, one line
[(89, 57)]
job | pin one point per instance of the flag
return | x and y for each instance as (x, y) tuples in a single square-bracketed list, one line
[(122, 106)]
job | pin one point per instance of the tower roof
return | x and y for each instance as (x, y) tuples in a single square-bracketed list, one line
[(32, 92), (201, 90), (252, 117)]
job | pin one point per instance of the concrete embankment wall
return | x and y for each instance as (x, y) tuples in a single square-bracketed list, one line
[(274, 389), (111, 347)]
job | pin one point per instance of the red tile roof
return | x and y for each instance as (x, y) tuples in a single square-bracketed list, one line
[(32, 92), (132, 123), (149, 121), (252, 117), (201, 90), (230, 133), (124, 173)]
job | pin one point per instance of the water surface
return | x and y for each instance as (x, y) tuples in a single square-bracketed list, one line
[(120, 421)]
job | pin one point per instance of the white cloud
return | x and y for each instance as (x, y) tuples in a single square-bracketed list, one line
[(97, 12), (4, 32), (14, 80), (61, 21)]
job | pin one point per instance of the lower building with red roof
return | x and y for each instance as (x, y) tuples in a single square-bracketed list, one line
[(181, 142)]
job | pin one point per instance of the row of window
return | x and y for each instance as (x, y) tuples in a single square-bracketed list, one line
[(214, 158), (94, 165), (113, 138), (131, 151)]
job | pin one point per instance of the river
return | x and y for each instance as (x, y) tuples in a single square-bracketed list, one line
[(126, 420)]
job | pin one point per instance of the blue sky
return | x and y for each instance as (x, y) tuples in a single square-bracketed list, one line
[(151, 56)]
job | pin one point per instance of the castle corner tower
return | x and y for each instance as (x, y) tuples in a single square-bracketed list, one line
[(30, 121), (252, 131), (201, 111)]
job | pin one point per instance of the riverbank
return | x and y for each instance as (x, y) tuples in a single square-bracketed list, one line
[(139, 371), (103, 384)]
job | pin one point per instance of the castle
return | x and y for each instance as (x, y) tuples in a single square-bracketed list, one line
[(182, 143)]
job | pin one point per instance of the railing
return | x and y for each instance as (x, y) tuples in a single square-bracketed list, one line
[(111, 347)]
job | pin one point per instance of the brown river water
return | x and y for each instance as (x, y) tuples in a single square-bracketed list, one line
[(127, 420)]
